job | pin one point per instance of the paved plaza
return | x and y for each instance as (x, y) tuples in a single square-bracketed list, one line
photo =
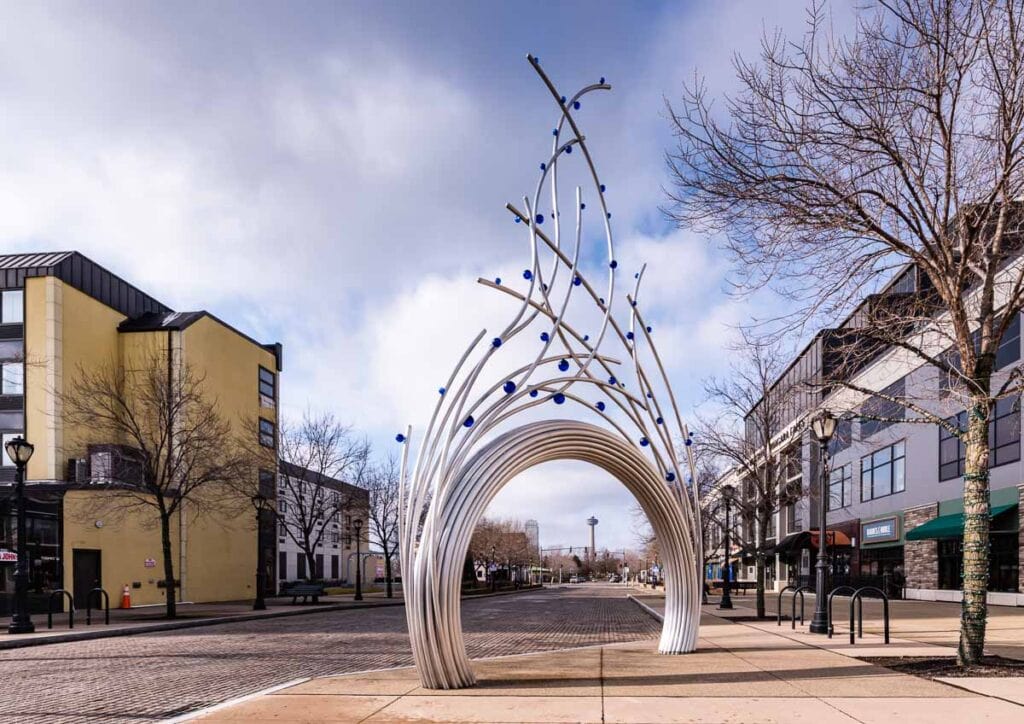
[(154, 676), (754, 674)]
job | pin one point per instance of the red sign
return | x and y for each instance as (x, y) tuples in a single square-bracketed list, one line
[(8, 557)]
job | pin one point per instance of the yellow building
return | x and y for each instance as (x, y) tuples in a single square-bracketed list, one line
[(62, 314)]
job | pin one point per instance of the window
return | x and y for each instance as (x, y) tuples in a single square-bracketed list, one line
[(282, 531), (282, 566), (13, 376), (840, 487), (268, 387), (300, 563), (1003, 439), (12, 307), (883, 472), (1009, 346), (335, 536), (267, 436), (877, 407), (319, 565), (842, 437)]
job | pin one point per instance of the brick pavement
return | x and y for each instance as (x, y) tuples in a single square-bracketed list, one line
[(150, 677)]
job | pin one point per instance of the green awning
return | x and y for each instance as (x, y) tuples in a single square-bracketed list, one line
[(949, 526)]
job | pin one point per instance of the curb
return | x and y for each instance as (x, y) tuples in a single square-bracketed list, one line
[(177, 625), (650, 611)]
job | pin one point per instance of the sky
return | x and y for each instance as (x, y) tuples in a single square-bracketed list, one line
[(333, 176)]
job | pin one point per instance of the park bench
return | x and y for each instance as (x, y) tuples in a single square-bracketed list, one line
[(306, 590)]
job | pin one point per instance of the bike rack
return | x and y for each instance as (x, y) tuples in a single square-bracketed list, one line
[(71, 608), (105, 607), (857, 598), (837, 591), (796, 590)]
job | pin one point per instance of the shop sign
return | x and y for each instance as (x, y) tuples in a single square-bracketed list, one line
[(8, 557), (880, 531)]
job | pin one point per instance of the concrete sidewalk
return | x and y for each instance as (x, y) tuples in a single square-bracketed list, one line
[(740, 673)]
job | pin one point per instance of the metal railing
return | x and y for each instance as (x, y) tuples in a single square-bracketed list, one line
[(797, 590), (857, 599), (57, 593)]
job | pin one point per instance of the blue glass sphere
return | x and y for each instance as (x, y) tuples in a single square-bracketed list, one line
[(518, 219), (689, 442), (469, 421), (509, 387), (649, 330), (613, 264), (563, 100), (671, 476), (601, 300), (564, 365), (650, 396), (554, 131), (558, 397), (582, 206), (568, 149), (527, 274), (600, 406), (603, 188), (399, 437), (543, 167), (544, 337), (576, 105), (576, 281), (441, 390), (601, 81), (629, 335), (609, 214), (496, 342), (540, 218), (660, 421), (612, 380), (644, 442), (533, 393), (586, 337), (497, 280)]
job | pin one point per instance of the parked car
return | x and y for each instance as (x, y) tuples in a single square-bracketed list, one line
[(574, 579)]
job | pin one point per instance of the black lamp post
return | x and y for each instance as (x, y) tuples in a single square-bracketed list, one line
[(261, 504), (493, 570), (728, 492), (19, 450), (358, 523), (824, 427)]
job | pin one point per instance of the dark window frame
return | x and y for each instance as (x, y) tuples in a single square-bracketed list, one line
[(1005, 417), (267, 388), (868, 463), (879, 407), (844, 483), (268, 433)]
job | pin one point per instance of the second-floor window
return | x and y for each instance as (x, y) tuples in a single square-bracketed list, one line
[(883, 472), (267, 435), (1003, 439), (840, 487), (12, 378), (879, 413)]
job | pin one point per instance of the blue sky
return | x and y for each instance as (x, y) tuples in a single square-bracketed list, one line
[(333, 175)]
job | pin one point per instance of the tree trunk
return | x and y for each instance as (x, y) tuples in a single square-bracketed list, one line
[(310, 565), (387, 573), (170, 590), (976, 533)]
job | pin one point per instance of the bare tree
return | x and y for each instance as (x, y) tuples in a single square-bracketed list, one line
[(842, 159), (500, 542), (741, 432), (170, 451), (318, 457), (382, 514)]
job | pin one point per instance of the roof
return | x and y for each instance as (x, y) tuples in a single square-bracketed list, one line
[(81, 273), (314, 478), (950, 526)]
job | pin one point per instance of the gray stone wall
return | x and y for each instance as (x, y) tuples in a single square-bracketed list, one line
[(921, 558)]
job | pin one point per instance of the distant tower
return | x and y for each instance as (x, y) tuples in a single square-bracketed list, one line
[(592, 522), (533, 535)]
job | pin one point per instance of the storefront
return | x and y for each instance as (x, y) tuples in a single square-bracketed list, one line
[(880, 557), (947, 532), (43, 529)]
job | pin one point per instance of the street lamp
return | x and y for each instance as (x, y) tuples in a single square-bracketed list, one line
[(261, 504), (728, 492), (19, 450), (824, 427), (358, 523), (493, 570)]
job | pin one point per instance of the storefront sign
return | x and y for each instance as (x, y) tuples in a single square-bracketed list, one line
[(880, 531), (8, 557)]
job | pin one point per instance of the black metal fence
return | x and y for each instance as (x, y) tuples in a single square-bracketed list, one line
[(887, 582)]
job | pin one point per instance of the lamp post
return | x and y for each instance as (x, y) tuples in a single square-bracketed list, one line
[(261, 504), (358, 523), (824, 427), (493, 570), (728, 492), (19, 450)]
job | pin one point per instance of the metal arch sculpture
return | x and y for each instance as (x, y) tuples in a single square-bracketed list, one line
[(467, 454)]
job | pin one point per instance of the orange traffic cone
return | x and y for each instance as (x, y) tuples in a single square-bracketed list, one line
[(126, 597)]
